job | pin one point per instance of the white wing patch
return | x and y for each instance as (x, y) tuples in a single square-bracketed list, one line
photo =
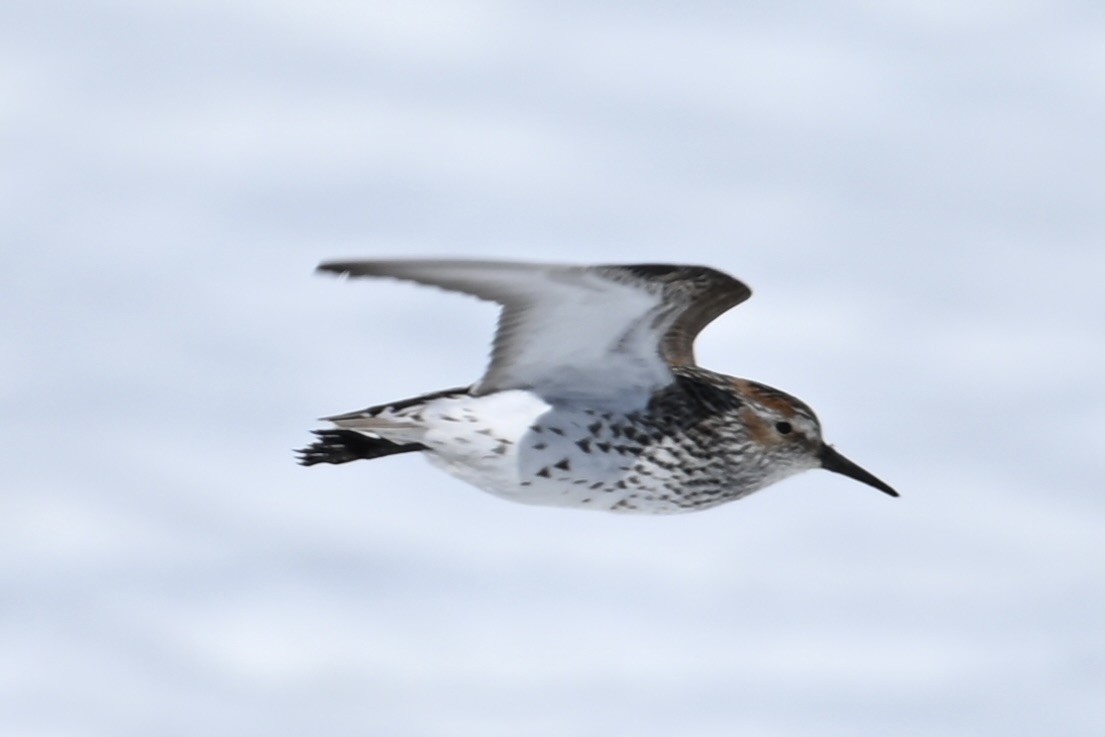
[(565, 331)]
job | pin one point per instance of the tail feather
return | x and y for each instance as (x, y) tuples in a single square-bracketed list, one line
[(343, 446), (391, 428)]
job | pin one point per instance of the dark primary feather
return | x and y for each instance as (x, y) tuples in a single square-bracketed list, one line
[(704, 294)]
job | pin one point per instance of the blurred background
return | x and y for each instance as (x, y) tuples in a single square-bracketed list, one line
[(913, 189)]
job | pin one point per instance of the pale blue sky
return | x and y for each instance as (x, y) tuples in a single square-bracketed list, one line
[(912, 189)]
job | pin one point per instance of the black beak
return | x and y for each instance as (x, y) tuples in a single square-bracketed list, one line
[(833, 461)]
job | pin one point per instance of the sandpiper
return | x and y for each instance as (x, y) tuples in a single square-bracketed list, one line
[(592, 398)]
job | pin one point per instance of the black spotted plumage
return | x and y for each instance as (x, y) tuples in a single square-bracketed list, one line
[(592, 387)]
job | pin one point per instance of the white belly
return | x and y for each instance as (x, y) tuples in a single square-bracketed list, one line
[(515, 445)]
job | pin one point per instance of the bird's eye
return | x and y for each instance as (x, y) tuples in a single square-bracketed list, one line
[(783, 427)]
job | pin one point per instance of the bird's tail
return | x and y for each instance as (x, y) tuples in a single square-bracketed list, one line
[(343, 446), (375, 432)]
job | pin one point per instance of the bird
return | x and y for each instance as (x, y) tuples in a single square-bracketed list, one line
[(592, 398)]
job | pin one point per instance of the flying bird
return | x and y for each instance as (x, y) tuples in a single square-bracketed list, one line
[(592, 398)]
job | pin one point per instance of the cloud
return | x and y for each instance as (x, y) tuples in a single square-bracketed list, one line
[(909, 190)]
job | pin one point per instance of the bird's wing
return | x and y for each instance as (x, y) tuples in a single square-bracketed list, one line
[(570, 331)]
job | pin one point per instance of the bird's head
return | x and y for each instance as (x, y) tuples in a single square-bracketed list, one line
[(787, 435)]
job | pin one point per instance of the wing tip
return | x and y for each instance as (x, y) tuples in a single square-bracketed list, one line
[(390, 267), (337, 268)]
